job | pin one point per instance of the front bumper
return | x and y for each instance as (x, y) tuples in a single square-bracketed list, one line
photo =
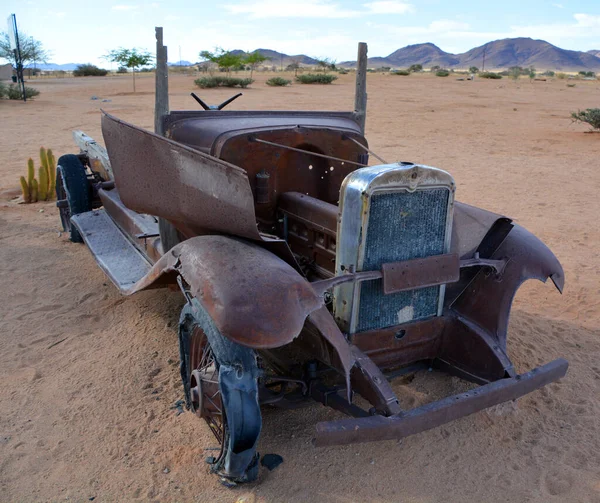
[(373, 428)]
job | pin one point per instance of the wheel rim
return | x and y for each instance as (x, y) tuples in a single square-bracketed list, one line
[(205, 392), (61, 195)]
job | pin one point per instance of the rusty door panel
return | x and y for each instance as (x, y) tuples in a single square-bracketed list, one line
[(167, 179)]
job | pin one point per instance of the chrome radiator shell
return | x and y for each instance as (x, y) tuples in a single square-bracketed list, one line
[(420, 201)]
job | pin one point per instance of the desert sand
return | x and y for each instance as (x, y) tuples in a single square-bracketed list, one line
[(88, 378)]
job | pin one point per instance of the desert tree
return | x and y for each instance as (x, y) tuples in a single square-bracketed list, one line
[(32, 50), (326, 64), (415, 68), (254, 59), (225, 60), (130, 58), (293, 66), (473, 69)]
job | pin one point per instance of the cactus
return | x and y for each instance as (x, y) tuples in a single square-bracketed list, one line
[(44, 158), (51, 174), (44, 188), (25, 189), (43, 184), (34, 191), (30, 173)]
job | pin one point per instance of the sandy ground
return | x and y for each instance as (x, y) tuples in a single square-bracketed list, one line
[(88, 378)]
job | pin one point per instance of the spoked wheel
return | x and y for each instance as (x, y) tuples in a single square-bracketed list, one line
[(73, 194), (220, 379)]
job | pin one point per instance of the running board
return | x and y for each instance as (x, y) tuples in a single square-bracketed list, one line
[(116, 255)]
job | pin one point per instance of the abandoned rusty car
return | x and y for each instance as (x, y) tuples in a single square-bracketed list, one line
[(307, 274)]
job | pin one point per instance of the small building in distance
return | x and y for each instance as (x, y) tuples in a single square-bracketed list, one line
[(6, 71)]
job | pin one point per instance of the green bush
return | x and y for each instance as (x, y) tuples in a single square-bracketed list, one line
[(316, 78), (3, 90), (278, 82), (217, 81), (14, 92), (442, 73), (561, 75), (341, 71), (401, 72), (122, 69), (590, 116), (490, 75), (89, 71)]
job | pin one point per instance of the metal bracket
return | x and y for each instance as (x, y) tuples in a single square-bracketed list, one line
[(497, 265), (186, 293)]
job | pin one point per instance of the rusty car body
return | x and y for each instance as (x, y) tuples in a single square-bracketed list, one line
[(307, 274)]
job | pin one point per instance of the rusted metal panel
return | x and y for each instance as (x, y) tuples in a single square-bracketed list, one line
[(142, 230), (487, 299), (404, 344), (348, 431), (255, 298), (290, 170), (420, 273), (469, 227), (369, 381), (149, 170), (201, 129)]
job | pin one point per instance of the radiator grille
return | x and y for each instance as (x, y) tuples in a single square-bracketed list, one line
[(402, 226)]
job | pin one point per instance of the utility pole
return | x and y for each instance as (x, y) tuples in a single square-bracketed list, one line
[(483, 65), (16, 46)]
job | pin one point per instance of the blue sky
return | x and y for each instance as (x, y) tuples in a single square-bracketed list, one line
[(82, 31)]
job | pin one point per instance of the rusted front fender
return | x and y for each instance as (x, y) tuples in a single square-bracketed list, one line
[(485, 299), (255, 298)]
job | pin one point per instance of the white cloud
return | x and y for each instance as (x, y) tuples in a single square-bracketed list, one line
[(124, 7), (587, 20), (279, 9), (261, 9), (389, 7)]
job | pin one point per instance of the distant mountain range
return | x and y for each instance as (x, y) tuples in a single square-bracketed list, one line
[(279, 58), (499, 54)]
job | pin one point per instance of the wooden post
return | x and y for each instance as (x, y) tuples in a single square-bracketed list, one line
[(161, 98), (360, 95)]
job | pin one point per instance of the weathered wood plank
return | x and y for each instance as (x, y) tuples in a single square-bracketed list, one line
[(161, 99), (360, 95), (97, 154)]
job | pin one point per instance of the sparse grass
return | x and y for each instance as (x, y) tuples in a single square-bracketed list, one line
[(442, 73), (490, 75), (278, 82), (217, 81), (13, 92), (561, 75), (401, 72), (316, 78), (589, 116)]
